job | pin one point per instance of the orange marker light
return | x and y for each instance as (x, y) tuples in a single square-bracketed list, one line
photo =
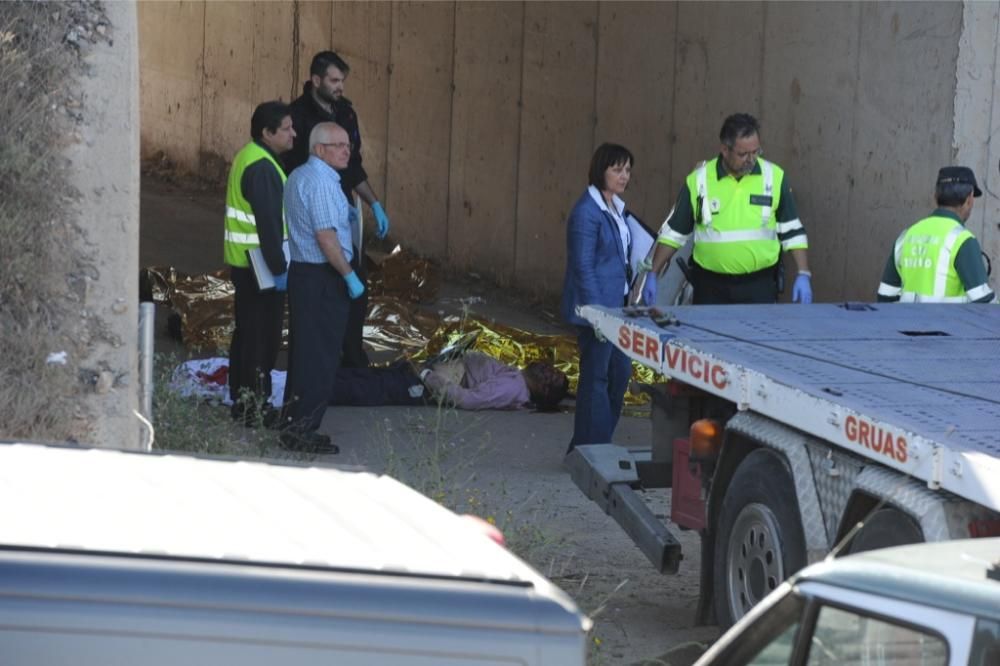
[(706, 438)]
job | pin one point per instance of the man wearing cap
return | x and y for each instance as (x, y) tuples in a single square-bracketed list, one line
[(740, 209), (938, 260)]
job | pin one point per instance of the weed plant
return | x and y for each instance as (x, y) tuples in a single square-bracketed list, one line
[(43, 274), (204, 426)]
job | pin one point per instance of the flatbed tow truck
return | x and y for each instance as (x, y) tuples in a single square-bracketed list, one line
[(786, 430)]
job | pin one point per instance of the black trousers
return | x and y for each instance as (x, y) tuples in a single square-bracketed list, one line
[(354, 355), (719, 289), (253, 350), (318, 306), (371, 387)]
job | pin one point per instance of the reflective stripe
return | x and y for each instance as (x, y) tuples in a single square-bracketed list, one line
[(885, 289), (791, 225), (768, 173), (897, 249), (666, 222), (911, 297), (976, 293), (716, 236), (943, 267), (670, 237), (667, 235), (242, 239), (240, 216), (701, 178)]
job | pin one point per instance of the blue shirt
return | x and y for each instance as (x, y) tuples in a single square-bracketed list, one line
[(314, 201)]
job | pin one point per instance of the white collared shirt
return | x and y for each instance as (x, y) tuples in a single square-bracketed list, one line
[(617, 212)]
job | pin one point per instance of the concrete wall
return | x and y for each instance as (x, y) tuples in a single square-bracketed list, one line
[(103, 168), (977, 120), (479, 118)]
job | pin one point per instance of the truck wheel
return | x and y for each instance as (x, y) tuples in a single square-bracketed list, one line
[(759, 540), (885, 528)]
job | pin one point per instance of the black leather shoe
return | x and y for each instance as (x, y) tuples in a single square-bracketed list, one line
[(252, 418), (308, 442)]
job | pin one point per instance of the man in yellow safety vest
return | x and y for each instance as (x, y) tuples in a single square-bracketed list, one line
[(254, 219), (741, 212), (938, 260)]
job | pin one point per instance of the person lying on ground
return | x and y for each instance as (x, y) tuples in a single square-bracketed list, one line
[(473, 381)]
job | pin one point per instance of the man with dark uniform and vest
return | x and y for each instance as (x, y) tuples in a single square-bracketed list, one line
[(254, 219), (938, 260), (323, 100), (742, 214)]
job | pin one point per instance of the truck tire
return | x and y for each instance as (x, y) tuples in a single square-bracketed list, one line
[(759, 540), (885, 528)]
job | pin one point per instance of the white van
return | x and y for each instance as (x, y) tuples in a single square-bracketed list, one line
[(116, 558)]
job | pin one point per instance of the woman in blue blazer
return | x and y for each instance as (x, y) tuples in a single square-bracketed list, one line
[(598, 245)]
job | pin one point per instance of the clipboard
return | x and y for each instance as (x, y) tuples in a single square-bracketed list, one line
[(261, 273)]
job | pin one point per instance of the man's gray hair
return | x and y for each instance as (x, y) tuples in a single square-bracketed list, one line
[(321, 133)]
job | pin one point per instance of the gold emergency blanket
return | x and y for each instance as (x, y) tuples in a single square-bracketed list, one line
[(399, 281), (204, 303), (519, 348)]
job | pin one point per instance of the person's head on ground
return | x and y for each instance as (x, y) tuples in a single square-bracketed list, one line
[(329, 142), (956, 190), (328, 72), (271, 124), (740, 138), (547, 385), (611, 169)]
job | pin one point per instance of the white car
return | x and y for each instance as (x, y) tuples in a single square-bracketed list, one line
[(110, 558), (935, 604)]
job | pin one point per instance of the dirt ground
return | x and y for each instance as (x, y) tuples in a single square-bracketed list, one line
[(502, 465)]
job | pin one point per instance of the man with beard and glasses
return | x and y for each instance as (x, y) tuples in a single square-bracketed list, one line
[(323, 100), (743, 216)]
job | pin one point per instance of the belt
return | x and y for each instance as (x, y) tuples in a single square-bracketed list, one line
[(736, 278)]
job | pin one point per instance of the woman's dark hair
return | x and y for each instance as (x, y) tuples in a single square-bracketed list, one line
[(607, 155), (546, 384), (267, 116)]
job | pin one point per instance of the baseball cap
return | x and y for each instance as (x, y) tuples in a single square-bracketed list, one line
[(959, 174)]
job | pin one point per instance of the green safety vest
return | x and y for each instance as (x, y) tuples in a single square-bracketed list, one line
[(735, 229), (925, 259), (241, 224)]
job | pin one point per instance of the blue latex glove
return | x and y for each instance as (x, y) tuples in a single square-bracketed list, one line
[(354, 286), (382, 219), (802, 289), (649, 290), (281, 281)]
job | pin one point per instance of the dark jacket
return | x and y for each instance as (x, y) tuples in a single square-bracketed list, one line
[(596, 266), (263, 189), (306, 114)]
